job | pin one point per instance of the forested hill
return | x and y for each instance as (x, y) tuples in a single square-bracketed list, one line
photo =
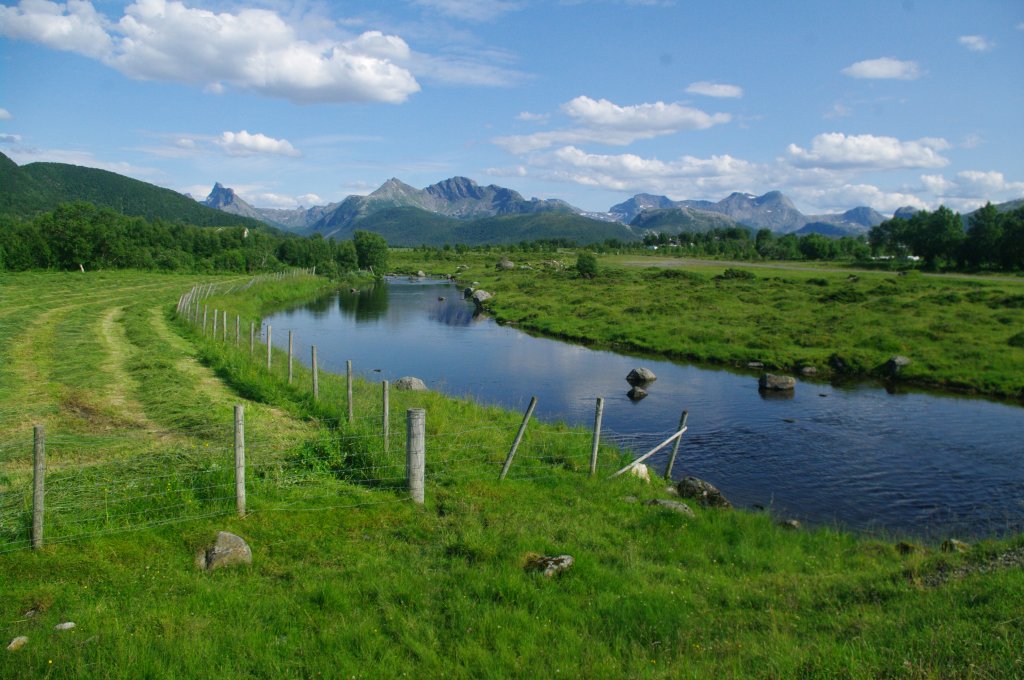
[(31, 189)]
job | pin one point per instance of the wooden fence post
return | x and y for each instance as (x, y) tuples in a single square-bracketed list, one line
[(252, 337), (289, 357), (270, 343), (415, 449), (238, 329), (597, 435), (348, 373), (386, 411), (240, 459), (316, 377), (225, 327), (675, 447), (38, 483), (206, 308), (215, 315), (519, 438)]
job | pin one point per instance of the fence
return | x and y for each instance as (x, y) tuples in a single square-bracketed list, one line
[(358, 456)]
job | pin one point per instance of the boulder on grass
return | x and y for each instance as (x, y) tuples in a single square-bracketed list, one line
[(641, 472), (410, 384), (480, 297), (703, 492), (681, 508), (549, 565), (226, 551)]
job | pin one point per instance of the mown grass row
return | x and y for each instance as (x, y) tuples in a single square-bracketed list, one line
[(959, 334), (352, 580)]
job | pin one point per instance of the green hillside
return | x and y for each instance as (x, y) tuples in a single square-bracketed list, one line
[(414, 227), (677, 220), (39, 187)]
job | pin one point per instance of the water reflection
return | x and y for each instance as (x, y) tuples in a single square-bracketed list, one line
[(453, 312), (365, 304)]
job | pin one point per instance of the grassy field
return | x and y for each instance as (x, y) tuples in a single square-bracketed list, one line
[(350, 579), (960, 333)]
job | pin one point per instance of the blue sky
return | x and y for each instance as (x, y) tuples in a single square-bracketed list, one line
[(290, 102)]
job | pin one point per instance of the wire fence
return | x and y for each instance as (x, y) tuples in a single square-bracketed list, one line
[(168, 464)]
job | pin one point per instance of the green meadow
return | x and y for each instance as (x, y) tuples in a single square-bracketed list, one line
[(352, 579)]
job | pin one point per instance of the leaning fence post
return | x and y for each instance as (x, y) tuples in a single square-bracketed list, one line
[(316, 377), (348, 373), (597, 435), (289, 357), (38, 479), (240, 459), (675, 447), (270, 343), (519, 438), (386, 414), (415, 452)]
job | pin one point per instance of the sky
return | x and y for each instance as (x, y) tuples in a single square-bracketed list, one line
[(299, 102)]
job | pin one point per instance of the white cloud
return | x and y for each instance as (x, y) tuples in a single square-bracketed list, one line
[(974, 184), (838, 110), (24, 154), (714, 89), (972, 141), (842, 197), (309, 200), (604, 122), (5, 114), (976, 43), (10, 139), (533, 117), (252, 49), (884, 68), (245, 144), (471, 10), (838, 150)]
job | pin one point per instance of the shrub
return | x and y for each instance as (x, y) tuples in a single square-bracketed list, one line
[(586, 264)]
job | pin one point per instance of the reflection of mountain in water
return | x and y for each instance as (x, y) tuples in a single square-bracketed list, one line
[(452, 313), (368, 304)]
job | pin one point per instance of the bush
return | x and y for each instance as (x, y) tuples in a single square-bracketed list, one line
[(739, 274), (586, 264)]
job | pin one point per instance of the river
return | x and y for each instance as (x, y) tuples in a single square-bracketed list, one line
[(903, 463)]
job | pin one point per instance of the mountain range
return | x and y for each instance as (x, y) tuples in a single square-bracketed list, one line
[(463, 199)]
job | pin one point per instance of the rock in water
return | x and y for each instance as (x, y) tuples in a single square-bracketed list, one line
[(641, 376), (549, 565), (681, 508), (776, 383), (410, 384), (636, 393), (703, 492), (895, 365), (227, 550), (480, 297)]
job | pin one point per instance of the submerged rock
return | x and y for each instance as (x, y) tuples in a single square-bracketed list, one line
[(636, 393), (776, 383)]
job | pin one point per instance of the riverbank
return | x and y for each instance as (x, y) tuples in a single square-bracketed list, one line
[(960, 335), (350, 579)]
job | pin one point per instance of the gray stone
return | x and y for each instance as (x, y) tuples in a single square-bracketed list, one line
[(703, 492), (480, 297), (681, 508), (420, 274), (411, 384), (226, 551), (776, 383), (641, 472), (641, 376), (505, 264), (547, 564), (790, 524), (895, 365), (808, 371), (17, 643), (467, 292), (755, 364), (636, 393), (67, 625), (952, 545)]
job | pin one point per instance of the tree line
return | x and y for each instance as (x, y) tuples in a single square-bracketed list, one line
[(84, 235), (992, 240)]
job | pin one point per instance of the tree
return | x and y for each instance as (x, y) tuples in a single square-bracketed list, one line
[(371, 252), (984, 233), (586, 264)]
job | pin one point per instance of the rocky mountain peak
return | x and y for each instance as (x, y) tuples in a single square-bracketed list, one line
[(221, 197)]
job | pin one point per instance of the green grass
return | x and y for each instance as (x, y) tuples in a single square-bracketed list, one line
[(350, 579), (961, 334)]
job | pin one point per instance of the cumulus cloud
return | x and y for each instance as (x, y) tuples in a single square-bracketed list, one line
[(251, 49), (884, 68), (838, 150), (533, 117), (976, 43), (602, 121), (245, 144), (842, 196), (10, 139), (471, 10), (714, 89), (974, 184), (5, 114)]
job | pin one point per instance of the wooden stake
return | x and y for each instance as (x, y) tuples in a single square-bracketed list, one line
[(675, 447), (289, 357), (415, 452), (519, 438), (386, 410), (348, 372), (38, 483), (316, 377), (270, 343), (240, 459), (597, 435)]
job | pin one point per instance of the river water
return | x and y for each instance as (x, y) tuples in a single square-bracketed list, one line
[(856, 456)]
